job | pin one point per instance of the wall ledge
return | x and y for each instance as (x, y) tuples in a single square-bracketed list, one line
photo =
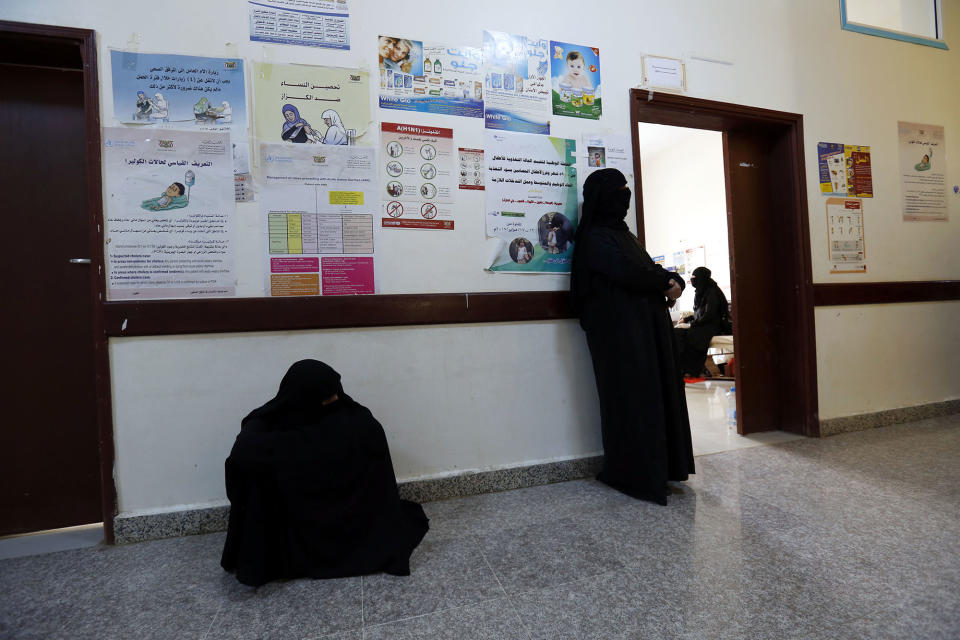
[(864, 421), (140, 527)]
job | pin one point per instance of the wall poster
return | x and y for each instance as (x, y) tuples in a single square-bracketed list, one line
[(471, 169), (575, 74), (430, 78), (923, 170), (608, 151), (516, 83), (306, 104), (318, 206), (309, 23), (169, 219), (845, 170), (845, 235), (531, 202), (416, 176)]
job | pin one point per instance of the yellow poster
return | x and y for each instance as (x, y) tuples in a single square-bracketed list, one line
[(307, 104)]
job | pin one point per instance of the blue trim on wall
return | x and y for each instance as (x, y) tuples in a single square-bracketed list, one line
[(882, 33)]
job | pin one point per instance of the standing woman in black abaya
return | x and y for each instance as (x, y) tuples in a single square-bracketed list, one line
[(622, 299)]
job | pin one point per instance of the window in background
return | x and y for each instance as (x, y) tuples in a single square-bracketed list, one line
[(916, 21)]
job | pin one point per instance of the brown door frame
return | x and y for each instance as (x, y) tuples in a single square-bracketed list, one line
[(81, 44), (799, 402)]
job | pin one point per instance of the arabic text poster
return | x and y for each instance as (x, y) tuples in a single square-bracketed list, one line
[(185, 92), (923, 169), (305, 104), (575, 80), (471, 169), (309, 23), (416, 176), (415, 76), (318, 201), (516, 83), (845, 170), (169, 213), (531, 202), (845, 235), (608, 151)]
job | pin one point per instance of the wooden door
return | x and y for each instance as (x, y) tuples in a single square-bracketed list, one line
[(752, 220), (49, 458)]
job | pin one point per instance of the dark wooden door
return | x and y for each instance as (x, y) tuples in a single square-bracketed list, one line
[(49, 458), (752, 220)]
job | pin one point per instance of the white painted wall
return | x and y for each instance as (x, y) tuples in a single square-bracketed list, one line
[(685, 198), (475, 397)]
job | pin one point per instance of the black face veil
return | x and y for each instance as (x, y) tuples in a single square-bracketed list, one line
[(302, 391)]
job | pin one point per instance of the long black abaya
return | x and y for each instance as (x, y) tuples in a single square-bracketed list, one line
[(312, 489), (711, 317), (618, 292)]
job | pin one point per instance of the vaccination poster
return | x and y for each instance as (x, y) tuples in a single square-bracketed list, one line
[(187, 92), (923, 170), (169, 223), (845, 170), (317, 206), (430, 78), (516, 83), (575, 80), (416, 176), (608, 151), (531, 202), (305, 104), (308, 23)]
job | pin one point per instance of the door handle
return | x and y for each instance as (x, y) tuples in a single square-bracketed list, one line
[(79, 260)]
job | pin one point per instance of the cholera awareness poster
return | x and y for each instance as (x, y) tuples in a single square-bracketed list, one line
[(516, 83), (185, 92), (304, 104), (575, 75), (430, 78), (169, 223), (318, 205), (923, 170), (531, 202)]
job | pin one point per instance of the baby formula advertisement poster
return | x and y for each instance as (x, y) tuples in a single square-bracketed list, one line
[(169, 213), (306, 104), (516, 83), (531, 202), (575, 77), (430, 78)]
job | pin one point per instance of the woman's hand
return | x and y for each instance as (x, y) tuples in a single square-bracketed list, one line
[(674, 291)]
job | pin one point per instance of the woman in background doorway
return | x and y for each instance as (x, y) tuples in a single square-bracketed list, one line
[(711, 317), (312, 490), (622, 298)]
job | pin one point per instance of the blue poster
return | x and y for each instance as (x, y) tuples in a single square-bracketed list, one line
[(516, 82), (168, 89), (430, 78), (575, 80)]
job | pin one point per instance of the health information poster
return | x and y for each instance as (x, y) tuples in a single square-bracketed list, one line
[(845, 170), (170, 213), (923, 170), (318, 206), (845, 235), (309, 23), (531, 202), (416, 176)]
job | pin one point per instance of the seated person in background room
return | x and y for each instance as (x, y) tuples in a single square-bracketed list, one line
[(312, 490), (711, 317)]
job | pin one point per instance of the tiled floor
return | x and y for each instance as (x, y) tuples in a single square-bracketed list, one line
[(855, 536), (707, 406)]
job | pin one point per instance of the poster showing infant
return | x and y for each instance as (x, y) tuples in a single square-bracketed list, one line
[(575, 76)]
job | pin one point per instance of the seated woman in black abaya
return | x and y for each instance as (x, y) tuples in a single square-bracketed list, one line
[(622, 298), (312, 490)]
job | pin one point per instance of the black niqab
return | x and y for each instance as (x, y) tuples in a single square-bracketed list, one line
[(312, 489)]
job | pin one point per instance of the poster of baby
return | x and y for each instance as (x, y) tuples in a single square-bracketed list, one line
[(575, 75)]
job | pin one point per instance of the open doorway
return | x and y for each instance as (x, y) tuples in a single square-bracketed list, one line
[(722, 186)]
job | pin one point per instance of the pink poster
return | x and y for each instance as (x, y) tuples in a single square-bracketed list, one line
[(347, 276)]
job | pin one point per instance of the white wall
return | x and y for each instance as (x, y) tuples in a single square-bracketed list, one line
[(177, 400), (685, 198)]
